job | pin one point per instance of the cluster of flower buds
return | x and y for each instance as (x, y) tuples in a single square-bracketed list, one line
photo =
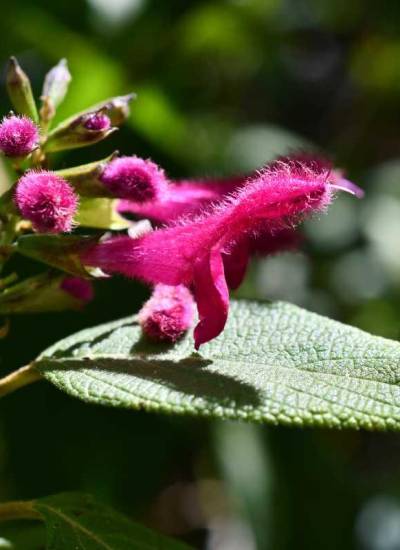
[(205, 231), (43, 206)]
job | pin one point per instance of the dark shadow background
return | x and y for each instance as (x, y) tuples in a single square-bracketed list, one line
[(223, 86)]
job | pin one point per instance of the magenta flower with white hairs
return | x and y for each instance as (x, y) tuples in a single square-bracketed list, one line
[(168, 314), (19, 136), (209, 252), (47, 200), (183, 197), (133, 178)]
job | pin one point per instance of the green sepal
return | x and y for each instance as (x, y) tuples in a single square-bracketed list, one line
[(55, 88), (75, 135), (101, 213), (37, 294), (116, 108), (85, 178), (20, 90), (7, 205), (60, 251)]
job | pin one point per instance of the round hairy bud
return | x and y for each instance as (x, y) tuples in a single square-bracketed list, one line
[(79, 288), (19, 136), (47, 200), (134, 178), (97, 122), (168, 314)]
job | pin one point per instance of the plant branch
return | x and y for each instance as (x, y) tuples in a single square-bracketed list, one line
[(18, 510), (19, 378)]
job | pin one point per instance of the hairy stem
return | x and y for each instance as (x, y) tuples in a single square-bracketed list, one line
[(18, 510), (19, 378)]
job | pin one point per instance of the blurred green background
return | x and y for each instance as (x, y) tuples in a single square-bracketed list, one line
[(223, 87)]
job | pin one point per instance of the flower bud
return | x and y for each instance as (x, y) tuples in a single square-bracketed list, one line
[(168, 314), (47, 200), (56, 83), (81, 131), (19, 136), (117, 108), (134, 178), (20, 91), (97, 122), (78, 288)]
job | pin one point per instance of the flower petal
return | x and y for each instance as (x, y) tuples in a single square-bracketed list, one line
[(235, 263), (212, 296), (280, 241), (343, 184)]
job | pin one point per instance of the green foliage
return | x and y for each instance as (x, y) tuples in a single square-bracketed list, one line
[(75, 520), (274, 363)]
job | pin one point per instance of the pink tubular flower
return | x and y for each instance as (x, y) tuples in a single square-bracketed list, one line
[(134, 178), (47, 200), (168, 314), (321, 164), (97, 122), (209, 252), (19, 136), (185, 197), (79, 288)]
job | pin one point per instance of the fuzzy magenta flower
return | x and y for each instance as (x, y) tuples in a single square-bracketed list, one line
[(181, 198), (19, 136), (168, 314), (97, 122), (79, 288), (134, 178), (47, 200), (184, 197), (209, 252), (321, 164)]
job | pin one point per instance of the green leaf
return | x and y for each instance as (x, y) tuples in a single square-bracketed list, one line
[(274, 363), (75, 520)]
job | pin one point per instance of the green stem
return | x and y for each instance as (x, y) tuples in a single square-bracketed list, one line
[(19, 378), (18, 510)]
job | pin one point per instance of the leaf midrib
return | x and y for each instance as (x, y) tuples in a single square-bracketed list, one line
[(77, 526)]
